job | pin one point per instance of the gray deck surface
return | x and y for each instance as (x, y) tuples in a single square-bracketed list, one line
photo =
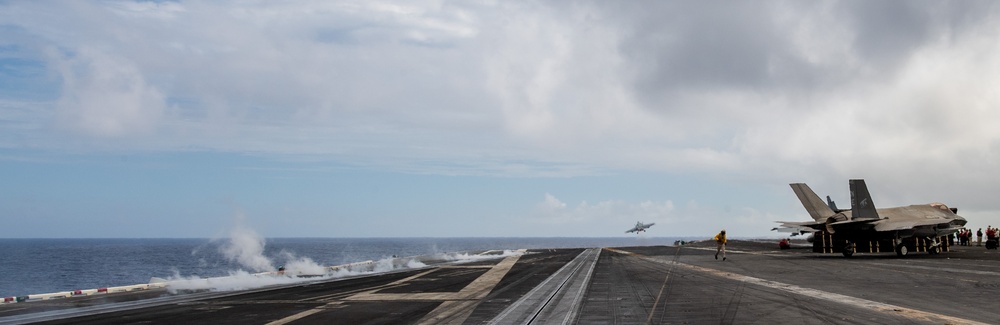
[(757, 284)]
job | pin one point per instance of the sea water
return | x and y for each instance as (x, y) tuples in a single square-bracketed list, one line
[(36, 266)]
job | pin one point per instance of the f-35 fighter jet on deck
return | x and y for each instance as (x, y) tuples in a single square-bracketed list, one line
[(863, 222)]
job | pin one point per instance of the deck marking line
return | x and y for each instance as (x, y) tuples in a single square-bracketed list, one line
[(537, 293), (457, 306), (455, 312), (301, 315), (571, 315), (940, 269), (829, 296), (475, 290)]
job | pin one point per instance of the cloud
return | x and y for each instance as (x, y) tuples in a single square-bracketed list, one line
[(900, 93), (604, 218), (927, 120), (553, 211), (103, 96), (768, 91)]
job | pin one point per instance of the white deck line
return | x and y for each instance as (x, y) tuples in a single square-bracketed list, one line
[(819, 294)]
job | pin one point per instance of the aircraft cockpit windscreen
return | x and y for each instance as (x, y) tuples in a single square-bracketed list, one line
[(940, 206)]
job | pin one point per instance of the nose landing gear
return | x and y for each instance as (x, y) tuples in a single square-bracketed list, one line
[(935, 247)]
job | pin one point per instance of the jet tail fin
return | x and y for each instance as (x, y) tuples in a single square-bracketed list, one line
[(833, 205), (817, 209), (862, 206)]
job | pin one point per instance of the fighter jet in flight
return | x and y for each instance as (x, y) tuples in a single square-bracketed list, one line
[(640, 227), (863, 222)]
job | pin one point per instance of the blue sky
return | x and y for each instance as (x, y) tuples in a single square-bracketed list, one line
[(513, 118)]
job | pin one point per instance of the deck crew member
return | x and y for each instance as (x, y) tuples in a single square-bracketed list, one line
[(720, 239)]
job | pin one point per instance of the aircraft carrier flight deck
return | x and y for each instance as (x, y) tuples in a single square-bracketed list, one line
[(758, 283)]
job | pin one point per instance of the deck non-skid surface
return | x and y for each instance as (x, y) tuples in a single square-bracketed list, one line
[(757, 284)]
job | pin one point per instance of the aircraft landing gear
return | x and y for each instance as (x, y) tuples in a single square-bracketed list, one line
[(901, 249), (848, 249), (935, 247), (992, 243)]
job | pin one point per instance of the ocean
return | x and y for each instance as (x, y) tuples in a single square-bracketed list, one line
[(37, 266)]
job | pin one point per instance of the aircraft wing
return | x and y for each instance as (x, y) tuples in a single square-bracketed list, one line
[(892, 225), (853, 226), (636, 229), (800, 227), (814, 226)]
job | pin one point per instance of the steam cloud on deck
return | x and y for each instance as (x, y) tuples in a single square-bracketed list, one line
[(247, 248)]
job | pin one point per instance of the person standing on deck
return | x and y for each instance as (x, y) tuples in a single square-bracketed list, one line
[(720, 239)]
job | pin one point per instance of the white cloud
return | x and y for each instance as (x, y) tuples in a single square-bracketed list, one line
[(926, 125), (104, 96), (604, 218), (900, 93), (553, 211), (533, 83)]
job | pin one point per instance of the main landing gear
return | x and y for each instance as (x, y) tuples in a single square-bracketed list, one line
[(901, 249), (932, 245), (849, 249)]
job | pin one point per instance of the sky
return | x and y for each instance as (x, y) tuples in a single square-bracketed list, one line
[(487, 118)]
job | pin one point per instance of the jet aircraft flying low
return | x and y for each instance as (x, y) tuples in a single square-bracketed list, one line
[(640, 227), (863, 222)]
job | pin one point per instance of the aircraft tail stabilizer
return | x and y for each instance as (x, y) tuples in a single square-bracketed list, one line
[(817, 209), (831, 204), (862, 206)]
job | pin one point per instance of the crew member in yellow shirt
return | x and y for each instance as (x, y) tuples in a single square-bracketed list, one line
[(721, 240)]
